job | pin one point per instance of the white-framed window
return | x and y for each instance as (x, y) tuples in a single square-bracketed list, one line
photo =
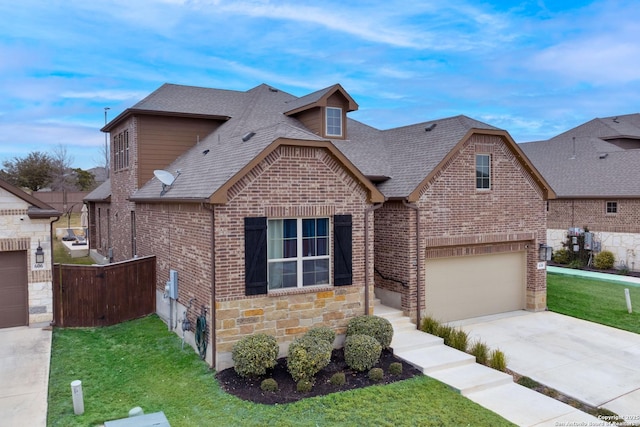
[(483, 171), (611, 208), (298, 252), (334, 121)]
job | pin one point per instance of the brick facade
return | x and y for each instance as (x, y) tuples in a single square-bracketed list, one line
[(458, 220)]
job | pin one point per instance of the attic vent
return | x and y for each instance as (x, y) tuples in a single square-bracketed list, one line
[(248, 136), (430, 127), (615, 120), (603, 155), (273, 89), (205, 151)]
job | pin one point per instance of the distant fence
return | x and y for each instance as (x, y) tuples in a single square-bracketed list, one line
[(62, 200), (103, 295)]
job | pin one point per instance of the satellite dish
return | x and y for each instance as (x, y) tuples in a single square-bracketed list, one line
[(166, 178)]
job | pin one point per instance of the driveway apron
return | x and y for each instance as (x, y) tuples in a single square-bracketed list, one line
[(593, 363)]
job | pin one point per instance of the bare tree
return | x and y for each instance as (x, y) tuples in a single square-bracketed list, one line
[(64, 178)]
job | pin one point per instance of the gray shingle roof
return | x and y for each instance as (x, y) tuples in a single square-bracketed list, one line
[(592, 165), (406, 155), (101, 193)]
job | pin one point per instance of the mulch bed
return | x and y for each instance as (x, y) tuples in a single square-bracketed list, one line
[(249, 388)]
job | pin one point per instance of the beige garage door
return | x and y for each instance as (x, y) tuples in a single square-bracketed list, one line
[(13, 289), (471, 286)]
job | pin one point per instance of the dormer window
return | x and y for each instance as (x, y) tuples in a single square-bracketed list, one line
[(334, 121)]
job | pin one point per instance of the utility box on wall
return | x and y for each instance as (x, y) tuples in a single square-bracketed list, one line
[(172, 285)]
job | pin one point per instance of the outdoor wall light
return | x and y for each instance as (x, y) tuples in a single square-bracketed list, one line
[(39, 254), (544, 252)]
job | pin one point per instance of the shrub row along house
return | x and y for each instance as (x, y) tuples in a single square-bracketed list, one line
[(593, 168), (280, 213)]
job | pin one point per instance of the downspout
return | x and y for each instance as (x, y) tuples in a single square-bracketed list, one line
[(213, 285), (366, 254), (418, 297)]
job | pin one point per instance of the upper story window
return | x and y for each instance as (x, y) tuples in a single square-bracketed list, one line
[(121, 150), (612, 207), (483, 171), (298, 252), (334, 121)]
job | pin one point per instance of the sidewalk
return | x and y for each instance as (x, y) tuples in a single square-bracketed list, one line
[(627, 280)]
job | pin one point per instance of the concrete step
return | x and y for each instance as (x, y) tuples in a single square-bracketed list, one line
[(471, 378), (526, 407), (404, 324), (412, 339), (387, 312), (435, 358)]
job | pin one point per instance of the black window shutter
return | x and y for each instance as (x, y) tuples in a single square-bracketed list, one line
[(255, 255), (342, 250)]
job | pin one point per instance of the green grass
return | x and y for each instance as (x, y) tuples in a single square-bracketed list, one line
[(60, 254), (594, 300), (139, 363)]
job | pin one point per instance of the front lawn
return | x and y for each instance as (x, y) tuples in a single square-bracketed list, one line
[(594, 300), (140, 363)]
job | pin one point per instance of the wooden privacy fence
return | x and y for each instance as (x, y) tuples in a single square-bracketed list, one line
[(103, 295)]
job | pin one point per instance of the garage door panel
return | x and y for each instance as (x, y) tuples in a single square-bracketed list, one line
[(13, 289), (463, 287)]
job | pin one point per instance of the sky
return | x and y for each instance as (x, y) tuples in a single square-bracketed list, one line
[(534, 68)]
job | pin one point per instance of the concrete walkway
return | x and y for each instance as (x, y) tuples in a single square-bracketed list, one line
[(592, 363), (24, 376), (492, 389)]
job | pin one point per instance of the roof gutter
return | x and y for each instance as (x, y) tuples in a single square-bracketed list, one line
[(418, 269), (168, 200)]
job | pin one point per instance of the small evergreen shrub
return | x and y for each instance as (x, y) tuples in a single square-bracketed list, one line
[(395, 368), (322, 332), (498, 360), (604, 260), (561, 256), (254, 354), (338, 379), (361, 352), (481, 352), (576, 263), (459, 340), (306, 356), (304, 386), (430, 325), (373, 326), (376, 374), (269, 384)]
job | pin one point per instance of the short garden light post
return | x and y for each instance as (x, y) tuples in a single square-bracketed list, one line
[(544, 252)]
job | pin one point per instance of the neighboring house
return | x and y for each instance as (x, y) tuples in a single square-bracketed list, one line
[(280, 213), (593, 168), (26, 296)]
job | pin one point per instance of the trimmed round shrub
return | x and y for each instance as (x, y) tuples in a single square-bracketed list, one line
[(361, 352), (306, 356), (338, 379), (269, 384), (304, 386), (254, 354), (561, 256), (376, 374), (395, 368), (604, 260), (323, 332), (373, 326)]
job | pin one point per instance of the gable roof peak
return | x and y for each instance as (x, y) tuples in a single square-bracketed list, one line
[(319, 99)]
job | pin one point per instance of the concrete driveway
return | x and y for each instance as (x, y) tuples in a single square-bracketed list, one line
[(595, 364), (24, 376)]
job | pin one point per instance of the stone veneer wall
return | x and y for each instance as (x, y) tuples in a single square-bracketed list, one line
[(290, 182), (18, 232)]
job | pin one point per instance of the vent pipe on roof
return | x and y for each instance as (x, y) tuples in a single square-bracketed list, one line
[(430, 127), (574, 149), (248, 136)]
